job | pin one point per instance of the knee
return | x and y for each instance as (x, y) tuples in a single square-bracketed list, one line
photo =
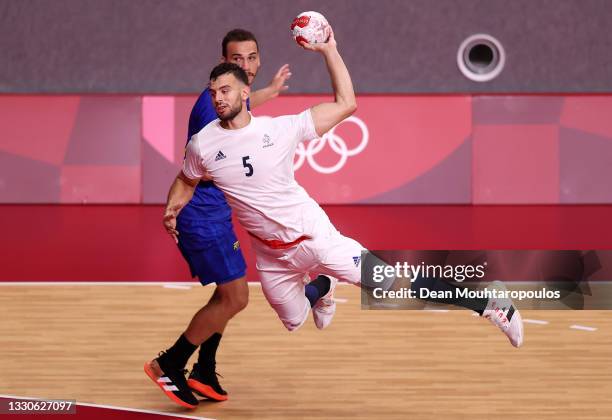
[(237, 301), (240, 301), (292, 326), (293, 321)]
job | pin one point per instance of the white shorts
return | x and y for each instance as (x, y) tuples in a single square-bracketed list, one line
[(283, 271)]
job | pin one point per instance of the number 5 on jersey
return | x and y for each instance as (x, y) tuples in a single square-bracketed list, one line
[(247, 165)]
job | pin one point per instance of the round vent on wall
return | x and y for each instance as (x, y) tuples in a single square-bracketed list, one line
[(481, 57)]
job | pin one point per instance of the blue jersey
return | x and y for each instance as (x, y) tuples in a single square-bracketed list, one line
[(207, 239), (208, 201)]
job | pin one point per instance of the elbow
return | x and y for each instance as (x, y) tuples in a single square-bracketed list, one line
[(350, 107)]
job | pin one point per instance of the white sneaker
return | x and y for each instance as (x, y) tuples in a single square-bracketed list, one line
[(325, 308), (503, 314)]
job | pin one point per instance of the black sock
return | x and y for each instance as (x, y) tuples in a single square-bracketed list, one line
[(317, 288), (176, 356), (207, 359), (476, 304)]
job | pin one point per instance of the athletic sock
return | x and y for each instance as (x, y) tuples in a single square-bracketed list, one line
[(176, 356), (317, 288), (438, 285), (208, 353)]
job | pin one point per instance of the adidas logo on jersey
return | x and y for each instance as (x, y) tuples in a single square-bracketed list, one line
[(220, 156), (356, 260)]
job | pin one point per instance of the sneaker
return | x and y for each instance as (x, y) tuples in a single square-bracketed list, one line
[(325, 308), (206, 384), (173, 383), (503, 314)]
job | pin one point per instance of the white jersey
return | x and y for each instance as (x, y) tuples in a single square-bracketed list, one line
[(253, 166)]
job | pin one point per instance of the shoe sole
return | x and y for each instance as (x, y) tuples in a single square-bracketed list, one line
[(205, 390), (149, 371)]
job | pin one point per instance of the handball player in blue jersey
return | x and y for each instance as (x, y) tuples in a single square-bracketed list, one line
[(210, 247)]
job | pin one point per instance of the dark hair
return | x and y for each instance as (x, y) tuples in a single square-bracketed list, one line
[(232, 68), (237, 35)]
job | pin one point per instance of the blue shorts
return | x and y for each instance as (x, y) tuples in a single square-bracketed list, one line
[(212, 251)]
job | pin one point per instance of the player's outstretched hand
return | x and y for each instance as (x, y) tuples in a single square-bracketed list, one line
[(278, 83), (170, 223), (324, 46)]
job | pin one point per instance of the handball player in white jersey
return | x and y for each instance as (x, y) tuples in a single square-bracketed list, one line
[(251, 160)]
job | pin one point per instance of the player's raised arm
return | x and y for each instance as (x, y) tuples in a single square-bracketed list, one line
[(328, 114), (275, 88)]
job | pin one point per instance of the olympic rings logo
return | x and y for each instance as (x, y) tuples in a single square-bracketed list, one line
[(337, 144)]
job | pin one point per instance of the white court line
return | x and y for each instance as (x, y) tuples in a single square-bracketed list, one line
[(436, 310), (119, 283), (583, 328), (340, 300), (113, 407), (534, 321), (141, 283), (137, 410), (177, 286), (384, 305), (93, 283)]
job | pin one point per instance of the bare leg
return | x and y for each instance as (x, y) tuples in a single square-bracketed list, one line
[(227, 300)]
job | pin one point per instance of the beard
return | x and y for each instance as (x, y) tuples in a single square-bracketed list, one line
[(233, 111), (251, 77)]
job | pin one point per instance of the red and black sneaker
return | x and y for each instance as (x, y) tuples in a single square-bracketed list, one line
[(206, 384), (173, 383)]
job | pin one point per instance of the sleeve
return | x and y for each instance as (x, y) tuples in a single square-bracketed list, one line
[(304, 127), (195, 122), (192, 164)]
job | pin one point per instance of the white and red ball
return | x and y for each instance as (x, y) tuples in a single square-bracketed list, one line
[(310, 27)]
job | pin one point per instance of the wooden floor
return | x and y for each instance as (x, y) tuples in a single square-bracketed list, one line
[(89, 343)]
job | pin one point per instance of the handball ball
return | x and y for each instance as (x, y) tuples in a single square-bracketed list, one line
[(310, 27)]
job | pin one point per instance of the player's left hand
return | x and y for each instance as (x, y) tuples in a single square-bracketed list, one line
[(170, 224), (278, 83)]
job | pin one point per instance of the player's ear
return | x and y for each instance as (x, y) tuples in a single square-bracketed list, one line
[(246, 92)]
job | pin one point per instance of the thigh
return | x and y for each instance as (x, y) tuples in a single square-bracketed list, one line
[(340, 257), (283, 287), (212, 252)]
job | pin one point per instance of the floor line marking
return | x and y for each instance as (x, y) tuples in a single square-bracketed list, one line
[(177, 286), (112, 407), (582, 328), (535, 321)]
